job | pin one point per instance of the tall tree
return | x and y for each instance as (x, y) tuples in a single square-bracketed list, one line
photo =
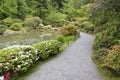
[(32, 4), (22, 9), (9, 7)]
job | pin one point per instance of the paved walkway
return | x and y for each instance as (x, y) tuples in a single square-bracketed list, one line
[(74, 63)]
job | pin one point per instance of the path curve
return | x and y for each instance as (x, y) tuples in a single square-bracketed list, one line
[(75, 63)]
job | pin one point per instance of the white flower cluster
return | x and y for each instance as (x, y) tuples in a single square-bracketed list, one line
[(21, 57)]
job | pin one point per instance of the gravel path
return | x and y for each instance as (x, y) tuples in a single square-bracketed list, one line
[(74, 63)]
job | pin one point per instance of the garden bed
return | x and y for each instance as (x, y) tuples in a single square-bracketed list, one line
[(19, 58)]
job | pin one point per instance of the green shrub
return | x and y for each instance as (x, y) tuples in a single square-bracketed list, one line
[(16, 26), (17, 58), (41, 25), (2, 29), (69, 30), (47, 48), (47, 27), (60, 38), (9, 21), (81, 20), (69, 38), (81, 12), (87, 27), (100, 53), (112, 59), (32, 22)]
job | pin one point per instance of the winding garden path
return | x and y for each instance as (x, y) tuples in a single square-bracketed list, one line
[(74, 63)]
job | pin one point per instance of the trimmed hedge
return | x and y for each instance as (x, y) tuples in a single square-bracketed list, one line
[(20, 57)]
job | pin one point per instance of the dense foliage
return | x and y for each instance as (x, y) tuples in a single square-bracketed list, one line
[(17, 58), (105, 14), (20, 57), (102, 19), (112, 59), (69, 30), (47, 48)]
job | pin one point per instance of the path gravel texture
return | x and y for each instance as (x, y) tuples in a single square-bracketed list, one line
[(75, 63)]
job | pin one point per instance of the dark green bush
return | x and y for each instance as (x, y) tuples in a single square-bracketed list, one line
[(47, 48), (16, 26), (2, 29), (102, 51), (109, 35)]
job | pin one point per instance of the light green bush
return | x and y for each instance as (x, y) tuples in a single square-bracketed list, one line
[(69, 38), (60, 38), (41, 25), (16, 26), (87, 27), (47, 48), (9, 21), (82, 19), (32, 22)]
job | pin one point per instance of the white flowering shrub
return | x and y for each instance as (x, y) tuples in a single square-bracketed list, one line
[(47, 48), (17, 57)]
